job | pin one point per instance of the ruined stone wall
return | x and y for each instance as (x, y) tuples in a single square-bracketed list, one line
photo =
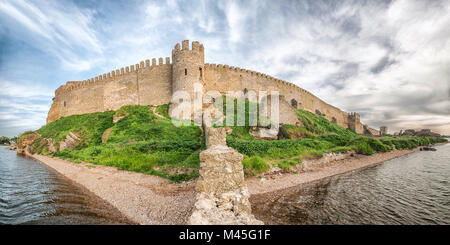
[(225, 78), (373, 131), (354, 123), (223, 197)]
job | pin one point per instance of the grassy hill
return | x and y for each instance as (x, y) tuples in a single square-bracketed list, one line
[(316, 137), (144, 142), (140, 141)]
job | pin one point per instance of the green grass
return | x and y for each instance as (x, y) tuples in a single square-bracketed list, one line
[(140, 142), (316, 137), (163, 110), (254, 165), (143, 142), (286, 164)]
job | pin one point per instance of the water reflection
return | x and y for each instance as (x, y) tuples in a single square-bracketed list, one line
[(32, 193), (412, 189)]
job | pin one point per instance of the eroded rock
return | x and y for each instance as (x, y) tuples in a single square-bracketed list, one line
[(51, 145), (263, 133), (70, 143), (26, 140), (215, 136)]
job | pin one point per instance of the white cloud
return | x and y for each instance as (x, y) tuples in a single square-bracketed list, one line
[(387, 60), (23, 89), (55, 28)]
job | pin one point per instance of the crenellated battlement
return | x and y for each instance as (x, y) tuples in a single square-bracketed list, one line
[(112, 75), (257, 75), (185, 47), (153, 81)]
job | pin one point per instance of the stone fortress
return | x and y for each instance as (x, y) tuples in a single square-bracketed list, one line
[(152, 83)]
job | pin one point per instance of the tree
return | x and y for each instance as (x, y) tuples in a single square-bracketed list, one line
[(4, 140)]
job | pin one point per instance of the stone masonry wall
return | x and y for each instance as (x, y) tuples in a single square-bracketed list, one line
[(225, 78), (143, 84), (153, 84), (222, 197)]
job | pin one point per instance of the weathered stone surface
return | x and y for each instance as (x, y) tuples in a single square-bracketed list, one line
[(326, 160), (229, 130), (71, 141), (153, 83), (232, 208), (221, 170), (12, 146), (26, 140), (28, 150), (51, 145), (215, 136), (222, 195), (263, 133)]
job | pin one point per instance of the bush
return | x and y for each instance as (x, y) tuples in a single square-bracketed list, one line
[(254, 165), (163, 110), (286, 164), (4, 140)]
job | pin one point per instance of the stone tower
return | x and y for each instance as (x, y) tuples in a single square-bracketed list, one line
[(383, 130), (354, 123), (188, 66)]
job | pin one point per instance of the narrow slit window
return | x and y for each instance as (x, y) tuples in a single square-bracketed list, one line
[(201, 72), (185, 72)]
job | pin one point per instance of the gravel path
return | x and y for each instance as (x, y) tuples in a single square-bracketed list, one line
[(144, 199)]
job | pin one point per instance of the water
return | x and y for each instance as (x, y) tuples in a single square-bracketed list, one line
[(32, 193), (412, 189)]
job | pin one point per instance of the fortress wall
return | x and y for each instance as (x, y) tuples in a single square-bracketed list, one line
[(121, 90), (88, 98), (225, 78), (77, 98), (152, 83), (155, 82), (144, 83), (373, 131)]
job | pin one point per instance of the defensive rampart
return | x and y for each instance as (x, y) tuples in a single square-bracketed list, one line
[(141, 84), (152, 83)]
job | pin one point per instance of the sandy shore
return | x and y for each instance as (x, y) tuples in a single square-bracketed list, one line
[(147, 199), (144, 199)]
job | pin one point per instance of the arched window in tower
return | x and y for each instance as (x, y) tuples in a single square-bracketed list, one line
[(201, 72), (64, 104), (245, 91), (294, 103), (185, 71)]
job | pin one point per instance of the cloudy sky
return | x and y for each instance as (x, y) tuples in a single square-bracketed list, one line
[(388, 60)]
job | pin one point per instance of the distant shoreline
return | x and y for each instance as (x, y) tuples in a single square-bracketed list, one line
[(147, 199), (358, 162)]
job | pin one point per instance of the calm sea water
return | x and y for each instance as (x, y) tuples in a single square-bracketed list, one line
[(32, 193), (412, 189)]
